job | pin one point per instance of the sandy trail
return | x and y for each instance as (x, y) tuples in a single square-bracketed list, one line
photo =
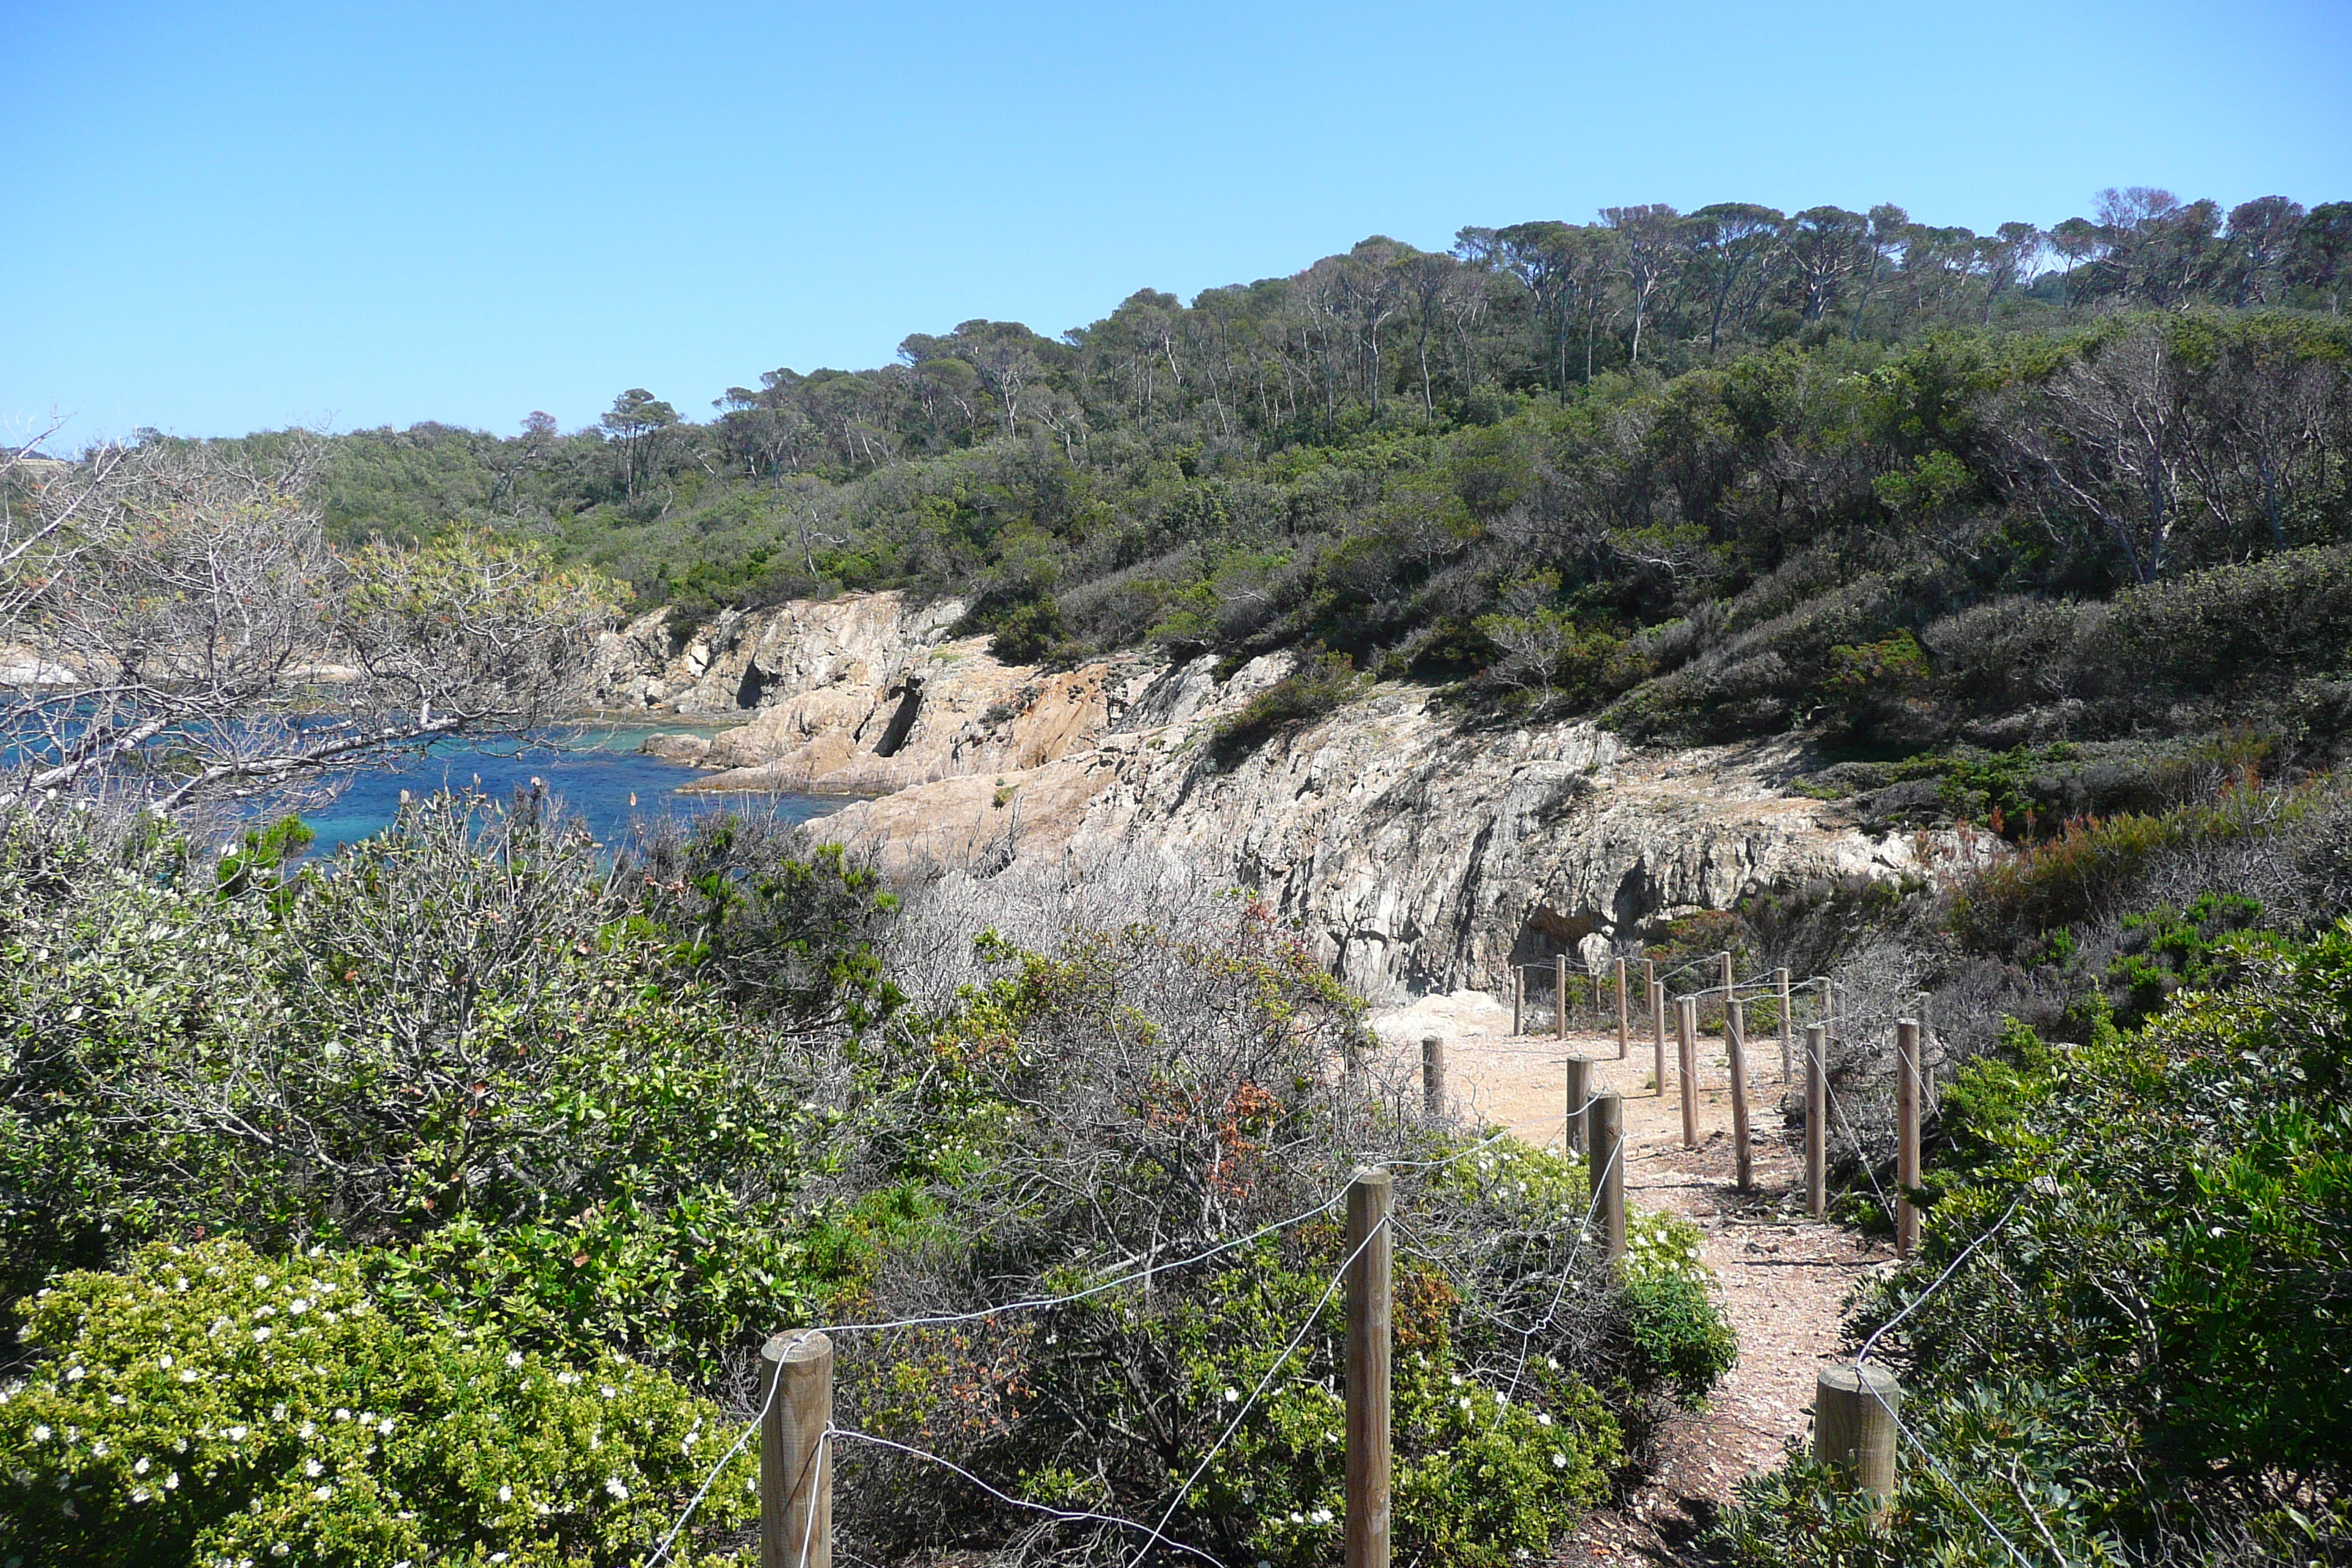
[(1784, 1279)]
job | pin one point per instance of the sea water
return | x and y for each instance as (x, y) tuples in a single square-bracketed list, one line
[(597, 773)]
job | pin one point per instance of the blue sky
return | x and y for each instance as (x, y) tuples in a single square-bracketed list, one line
[(227, 217)]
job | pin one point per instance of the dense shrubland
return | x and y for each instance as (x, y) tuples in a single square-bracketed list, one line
[(1911, 491), (518, 1146)]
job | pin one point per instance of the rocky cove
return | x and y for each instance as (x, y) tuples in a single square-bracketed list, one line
[(1420, 850)]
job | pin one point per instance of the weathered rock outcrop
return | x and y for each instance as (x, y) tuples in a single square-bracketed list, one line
[(856, 694), (1420, 850)]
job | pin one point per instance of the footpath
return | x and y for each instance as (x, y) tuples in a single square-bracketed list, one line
[(1784, 1279)]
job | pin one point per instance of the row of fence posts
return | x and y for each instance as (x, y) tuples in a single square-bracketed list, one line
[(1855, 1406), (1907, 1076)]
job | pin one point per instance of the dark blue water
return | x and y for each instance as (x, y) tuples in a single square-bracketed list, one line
[(599, 774)]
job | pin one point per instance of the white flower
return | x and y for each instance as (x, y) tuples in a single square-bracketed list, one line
[(188, 1374), (265, 1312), (612, 1484), (343, 1414), (235, 1433), (1465, 1401), (75, 1374), (323, 1493), (506, 1494), (1543, 1418), (1455, 1380), (40, 1434), (1233, 1397), (140, 1468), (308, 1430), (261, 1281), (99, 1450), (1560, 1461), (383, 1427), (281, 1550), (497, 1556), (260, 1334), (514, 1358), (278, 1413), (606, 1389), (172, 1482), (1298, 1518), (298, 1304), (139, 1494), (312, 1468)]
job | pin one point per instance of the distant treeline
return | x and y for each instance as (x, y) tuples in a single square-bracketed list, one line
[(1557, 463)]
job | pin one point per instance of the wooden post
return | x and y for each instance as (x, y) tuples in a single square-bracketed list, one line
[(1817, 1133), (1906, 1134), (1518, 1000), (1604, 1138), (1727, 989), (1686, 1065), (1650, 989), (1580, 1101), (1658, 1031), (1734, 1035), (1559, 995), (795, 1470), (1622, 1024), (1432, 1076), (1854, 1426), (1369, 1197), (1788, 1034)]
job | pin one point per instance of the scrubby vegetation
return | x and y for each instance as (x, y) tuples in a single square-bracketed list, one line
[(431, 1204)]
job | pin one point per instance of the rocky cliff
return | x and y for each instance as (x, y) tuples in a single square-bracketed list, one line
[(1419, 848)]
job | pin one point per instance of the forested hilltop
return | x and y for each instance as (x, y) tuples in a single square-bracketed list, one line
[(1744, 466)]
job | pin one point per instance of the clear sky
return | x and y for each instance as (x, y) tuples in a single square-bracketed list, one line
[(222, 217)]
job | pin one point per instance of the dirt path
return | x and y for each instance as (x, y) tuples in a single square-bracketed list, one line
[(1784, 1279)]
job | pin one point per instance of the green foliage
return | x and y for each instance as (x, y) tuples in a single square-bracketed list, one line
[(454, 1044), (2142, 1354), (1297, 700), (212, 1404)]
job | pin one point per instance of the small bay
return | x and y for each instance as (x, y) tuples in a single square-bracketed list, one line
[(594, 770)]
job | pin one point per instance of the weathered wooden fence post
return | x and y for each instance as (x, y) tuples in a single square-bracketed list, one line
[(1735, 1035), (1686, 1064), (1432, 1076), (1580, 1101), (1604, 1137), (1788, 1036), (1906, 1134), (795, 1466), (1518, 1000), (1369, 1286), (1559, 995), (1623, 1027), (1854, 1426), (1817, 1133), (1658, 1032), (1727, 982)]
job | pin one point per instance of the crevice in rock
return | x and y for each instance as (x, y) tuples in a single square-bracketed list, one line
[(902, 721)]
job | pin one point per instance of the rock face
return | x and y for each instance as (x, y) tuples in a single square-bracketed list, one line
[(1421, 851), (864, 693)]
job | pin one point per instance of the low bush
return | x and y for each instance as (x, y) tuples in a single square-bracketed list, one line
[(2121, 1336), (1320, 687), (213, 1404)]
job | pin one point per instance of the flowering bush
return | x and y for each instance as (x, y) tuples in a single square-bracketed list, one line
[(214, 1406)]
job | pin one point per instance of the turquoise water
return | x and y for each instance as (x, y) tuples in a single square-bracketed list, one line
[(597, 773)]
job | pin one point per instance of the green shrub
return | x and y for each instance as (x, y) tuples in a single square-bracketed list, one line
[(214, 1404), (2122, 1334), (1297, 700)]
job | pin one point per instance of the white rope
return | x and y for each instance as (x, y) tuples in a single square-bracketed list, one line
[(724, 1460), (1306, 1325), (1068, 1515)]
